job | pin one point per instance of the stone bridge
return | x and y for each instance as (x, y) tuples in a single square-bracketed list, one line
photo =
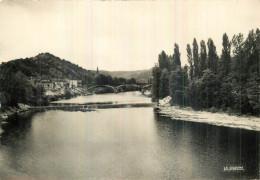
[(147, 87), (93, 88), (121, 88)]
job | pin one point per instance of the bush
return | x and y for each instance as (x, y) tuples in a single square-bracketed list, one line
[(68, 94), (213, 110), (229, 111)]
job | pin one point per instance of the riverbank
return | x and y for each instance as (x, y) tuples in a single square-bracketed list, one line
[(6, 112), (9, 111), (218, 118)]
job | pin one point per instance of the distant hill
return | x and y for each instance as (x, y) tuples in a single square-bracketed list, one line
[(139, 75), (46, 66)]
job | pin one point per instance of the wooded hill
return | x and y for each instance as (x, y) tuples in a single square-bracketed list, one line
[(16, 77), (46, 66)]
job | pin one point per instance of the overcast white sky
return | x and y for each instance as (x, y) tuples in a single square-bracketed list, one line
[(118, 35)]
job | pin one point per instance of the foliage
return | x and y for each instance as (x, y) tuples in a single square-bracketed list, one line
[(176, 86), (195, 58), (190, 60), (156, 83), (16, 85), (15, 88), (176, 57), (212, 56), (209, 89), (252, 89), (68, 94), (164, 86), (230, 83), (225, 56), (163, 61), (203, 57)]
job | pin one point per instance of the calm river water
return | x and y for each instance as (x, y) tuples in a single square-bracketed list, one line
[(123, 143)]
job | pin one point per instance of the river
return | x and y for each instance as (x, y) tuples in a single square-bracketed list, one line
[(123, 143)]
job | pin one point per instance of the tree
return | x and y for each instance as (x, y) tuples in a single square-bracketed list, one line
[(252, 89), (226, 96), (109, 80), (203, 57), (3, 99), (209, 92), (38, 98), (164, 86), (194, 93), (190, 61), (122, 81), (98, 80), (176, 86), (18, 91), (131, 81), (195, 58), (116, 81), (185, 86), (231, 82), (238, 92), (212, 56), (156, 83), (225, 56), (252, 54), (241, 101), (68, 94), (176, 57), (238, 53), (163, 61)]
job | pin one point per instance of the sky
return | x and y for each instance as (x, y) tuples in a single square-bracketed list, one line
[(118, 35)]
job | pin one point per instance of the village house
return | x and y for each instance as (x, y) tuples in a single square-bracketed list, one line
[(74, 83), (47, 84), (57, 84)]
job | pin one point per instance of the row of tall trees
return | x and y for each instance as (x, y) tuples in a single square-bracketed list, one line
[(229, 82)]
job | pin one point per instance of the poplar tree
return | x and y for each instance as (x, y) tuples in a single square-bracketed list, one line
[(212, 62), (190, 61), (176, 78), (225, 56), (176, 57), (195, 53), (203, 57), (164, 86), (156, 83), (163, 61)]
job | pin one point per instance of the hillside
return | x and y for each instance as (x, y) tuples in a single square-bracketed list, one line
[(21, 79), (46, 66), (139, 75)]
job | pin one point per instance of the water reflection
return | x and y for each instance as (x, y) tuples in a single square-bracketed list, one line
[(202, 150), (112, 98), (127, 143)]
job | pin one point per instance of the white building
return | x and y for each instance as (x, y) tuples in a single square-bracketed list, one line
[(74, 83)]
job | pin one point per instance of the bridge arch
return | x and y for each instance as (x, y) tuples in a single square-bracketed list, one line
[(94, 88), (128, 87)]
